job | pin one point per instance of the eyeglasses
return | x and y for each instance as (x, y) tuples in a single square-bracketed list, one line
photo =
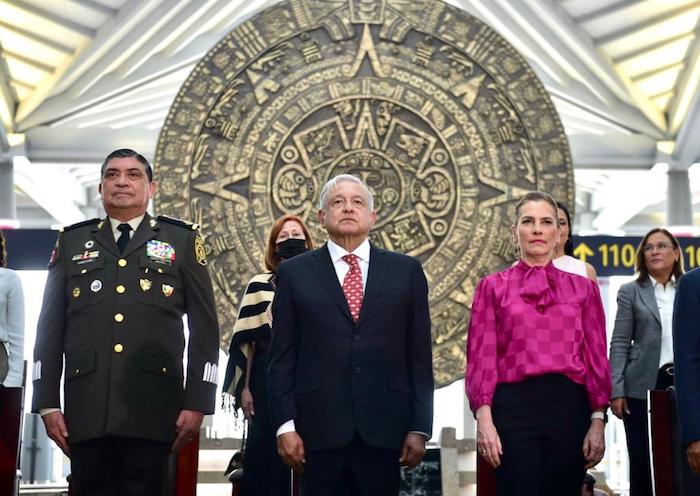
[(659, 246)]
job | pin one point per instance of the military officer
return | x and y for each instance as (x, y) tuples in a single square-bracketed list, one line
[(113, 305)]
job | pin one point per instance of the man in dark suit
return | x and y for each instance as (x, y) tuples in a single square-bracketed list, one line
[(351, 385), (115, 296), (686, 359)]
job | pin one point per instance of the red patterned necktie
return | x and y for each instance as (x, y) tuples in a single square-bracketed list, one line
[(352, 286)]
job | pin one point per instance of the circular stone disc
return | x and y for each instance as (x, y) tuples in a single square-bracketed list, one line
[(442, 118)]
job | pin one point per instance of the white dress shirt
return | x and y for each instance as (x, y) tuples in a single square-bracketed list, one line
[(342, 267), (664, 299)]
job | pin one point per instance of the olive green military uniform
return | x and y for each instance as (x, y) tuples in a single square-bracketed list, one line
[(117, 318)]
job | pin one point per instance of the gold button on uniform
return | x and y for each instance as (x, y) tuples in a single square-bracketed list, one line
[(118, 317), (164, 370), (83, 271), (118, 347), (120, 289), (122, 262), (77, 371)]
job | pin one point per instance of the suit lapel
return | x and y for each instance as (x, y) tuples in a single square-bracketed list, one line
[(104, 236), (646, 292), (146, 230), (375, 279), (325, 271)]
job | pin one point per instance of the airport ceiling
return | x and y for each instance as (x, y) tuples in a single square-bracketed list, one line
[(81, 77)]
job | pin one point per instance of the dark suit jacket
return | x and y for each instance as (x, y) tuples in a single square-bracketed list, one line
[(118, 321), (336, 378), (686, 354)]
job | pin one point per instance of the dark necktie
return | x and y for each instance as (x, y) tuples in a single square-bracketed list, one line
[(352, 286), (124, 237)]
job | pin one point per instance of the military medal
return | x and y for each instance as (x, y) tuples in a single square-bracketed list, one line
[(145, 284), (168, 290), (87, 256), (96, 286), (160, 251)]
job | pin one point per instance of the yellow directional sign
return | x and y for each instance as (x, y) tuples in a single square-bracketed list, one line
[(615, 255), (582, 251)]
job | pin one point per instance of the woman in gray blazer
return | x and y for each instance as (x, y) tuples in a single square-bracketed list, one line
[(641, 348), (11, 324)]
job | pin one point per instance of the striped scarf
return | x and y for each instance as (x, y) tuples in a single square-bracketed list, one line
[(254, 322)]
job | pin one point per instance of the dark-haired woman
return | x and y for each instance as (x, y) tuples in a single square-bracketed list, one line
[(537, 377), (264, 473), (563, 256), (641, 348), (11, 324)]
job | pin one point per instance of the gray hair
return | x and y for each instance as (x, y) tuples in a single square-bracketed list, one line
[(344, 178)]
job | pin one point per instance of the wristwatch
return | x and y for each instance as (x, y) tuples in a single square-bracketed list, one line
[(600, 416)]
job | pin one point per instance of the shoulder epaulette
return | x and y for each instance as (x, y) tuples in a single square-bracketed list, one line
[(178, 222), (79, 224)]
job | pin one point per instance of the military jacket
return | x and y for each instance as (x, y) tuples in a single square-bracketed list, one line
[(117, 319)]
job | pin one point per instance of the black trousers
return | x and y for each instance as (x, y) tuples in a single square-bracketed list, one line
[(118, 466), (542, 422), (354, 470), (264, 473), (637, 433)]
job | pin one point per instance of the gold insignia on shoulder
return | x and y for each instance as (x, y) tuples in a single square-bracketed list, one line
[(153, 222), (199, 251), (99, 226)]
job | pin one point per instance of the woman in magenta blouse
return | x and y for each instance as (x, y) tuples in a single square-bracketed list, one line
[(538, 377)]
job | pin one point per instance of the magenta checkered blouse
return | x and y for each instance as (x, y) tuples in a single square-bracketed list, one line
[(529, 321)]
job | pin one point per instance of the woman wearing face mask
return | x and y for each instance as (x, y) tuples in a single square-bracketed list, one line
[(537, 374), (246, 373), (641, 348)]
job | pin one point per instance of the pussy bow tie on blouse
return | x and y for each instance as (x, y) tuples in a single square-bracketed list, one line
[(538, 286)]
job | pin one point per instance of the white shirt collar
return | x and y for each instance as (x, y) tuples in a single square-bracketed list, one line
[(337, 252), (655, 283), (134, 223)]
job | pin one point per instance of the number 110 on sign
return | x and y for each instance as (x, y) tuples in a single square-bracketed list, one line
[(614, 255)]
